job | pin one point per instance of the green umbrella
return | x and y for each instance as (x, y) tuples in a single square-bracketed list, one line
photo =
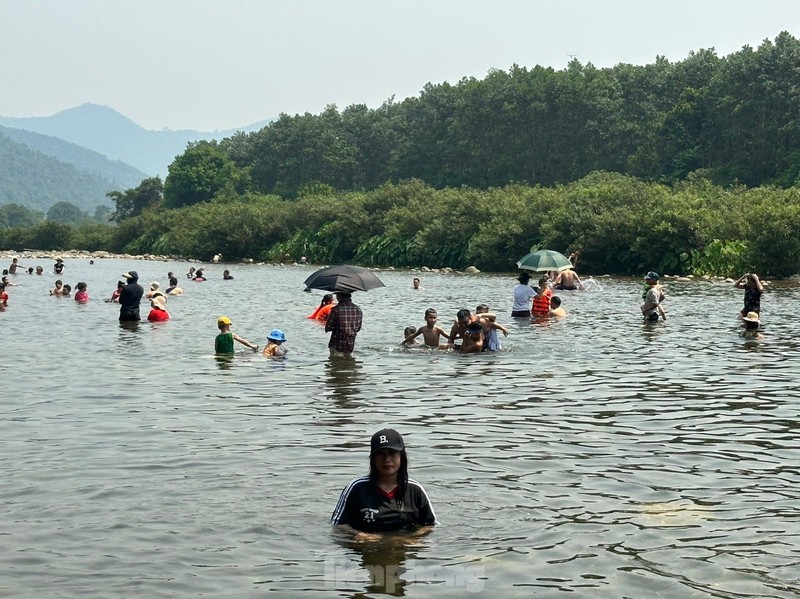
[(544, 260)]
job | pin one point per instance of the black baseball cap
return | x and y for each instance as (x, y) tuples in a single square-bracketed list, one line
[(386, 438)]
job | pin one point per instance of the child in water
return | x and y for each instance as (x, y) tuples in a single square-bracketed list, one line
[(490, 327), (82, 292), (430, 332), (274, 347), (751, 325), (223, 343), (409, 332)]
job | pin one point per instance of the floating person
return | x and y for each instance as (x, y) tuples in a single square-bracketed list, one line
[(226, 275), (753, 289), (431, 332), (416, 284), (386, 499), (158, 310), (326, 304), (223, 343), (752, 323), (30, 270), (39, 270), (66, 291), (198, 276), (82, 292), (274, 347), (555, 307)]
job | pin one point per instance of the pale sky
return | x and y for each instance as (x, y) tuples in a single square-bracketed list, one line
[(218, 64)]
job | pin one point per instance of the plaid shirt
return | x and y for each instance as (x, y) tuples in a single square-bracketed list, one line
[(344, 322)]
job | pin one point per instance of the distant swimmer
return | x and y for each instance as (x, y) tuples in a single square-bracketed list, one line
[(416, 284), (752, 323)]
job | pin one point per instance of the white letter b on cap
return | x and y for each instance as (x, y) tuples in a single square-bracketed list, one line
[(384, 439)]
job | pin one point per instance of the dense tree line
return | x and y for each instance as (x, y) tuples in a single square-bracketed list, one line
[(618, 223), (736, 118)]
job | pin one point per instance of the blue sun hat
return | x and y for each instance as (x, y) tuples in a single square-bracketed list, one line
[(276, 335)]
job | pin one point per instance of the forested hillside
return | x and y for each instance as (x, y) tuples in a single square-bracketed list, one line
[(735, 118), (104, 130), (117, 174), (33, 180)]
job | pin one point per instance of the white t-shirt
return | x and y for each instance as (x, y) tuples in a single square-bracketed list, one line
[(523, 294)]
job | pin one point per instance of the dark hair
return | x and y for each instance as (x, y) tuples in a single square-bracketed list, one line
[(751, 326), (80, 286), (409, 330), (173, 280), (326, 299), (431, 311), (402, 475), (463, 313), (481, 307), (524, 278), (555, 301)]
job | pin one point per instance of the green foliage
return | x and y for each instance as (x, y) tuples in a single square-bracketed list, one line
[(64, 212), (199, 174), (16, 215), (131, 202), (723, 258)]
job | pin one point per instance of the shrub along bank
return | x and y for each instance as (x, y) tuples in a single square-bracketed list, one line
[(619, 224)]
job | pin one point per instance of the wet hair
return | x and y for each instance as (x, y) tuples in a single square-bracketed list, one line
[(173, 280), (409, 331), (326, 299), (58, 282), (463, 313), (751, 326), (481, 308), (120, 284), (431, 312), (66, 289), (81, 286), (555, 301)]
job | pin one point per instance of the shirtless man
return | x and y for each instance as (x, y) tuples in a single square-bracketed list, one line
[(473, 339), (568, 280), (430, 332), (463, 319)]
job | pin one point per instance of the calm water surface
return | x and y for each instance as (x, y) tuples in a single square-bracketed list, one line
[(594, 456)]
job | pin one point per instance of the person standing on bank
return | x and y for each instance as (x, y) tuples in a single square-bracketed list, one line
[(343, 323), (130, 297), (523, 294), (752, 293), (386, 499)]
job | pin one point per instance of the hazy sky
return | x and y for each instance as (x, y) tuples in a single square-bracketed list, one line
[(217, 64)]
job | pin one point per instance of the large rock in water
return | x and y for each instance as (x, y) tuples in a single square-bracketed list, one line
[(471, 270)]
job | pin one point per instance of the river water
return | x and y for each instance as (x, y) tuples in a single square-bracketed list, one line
[(593, 456)]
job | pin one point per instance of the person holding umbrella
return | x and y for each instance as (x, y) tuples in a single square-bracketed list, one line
[(343, 323)]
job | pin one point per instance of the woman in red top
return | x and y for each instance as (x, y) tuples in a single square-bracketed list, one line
[(159, 312), (325, 307)]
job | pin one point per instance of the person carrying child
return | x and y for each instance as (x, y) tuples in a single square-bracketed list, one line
[(223, 343), (431, 332), (490, 327)]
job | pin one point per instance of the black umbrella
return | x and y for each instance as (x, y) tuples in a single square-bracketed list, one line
[(343, 277)]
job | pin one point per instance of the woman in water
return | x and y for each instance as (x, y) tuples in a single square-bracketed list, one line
[(752, 293), (385, 499), (324, 308)]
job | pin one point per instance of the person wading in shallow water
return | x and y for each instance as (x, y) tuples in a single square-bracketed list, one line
[(343, 323), (130, 297), (386, 499)]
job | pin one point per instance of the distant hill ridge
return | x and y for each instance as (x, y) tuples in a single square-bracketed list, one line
[(35, 180), (106, 131)]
